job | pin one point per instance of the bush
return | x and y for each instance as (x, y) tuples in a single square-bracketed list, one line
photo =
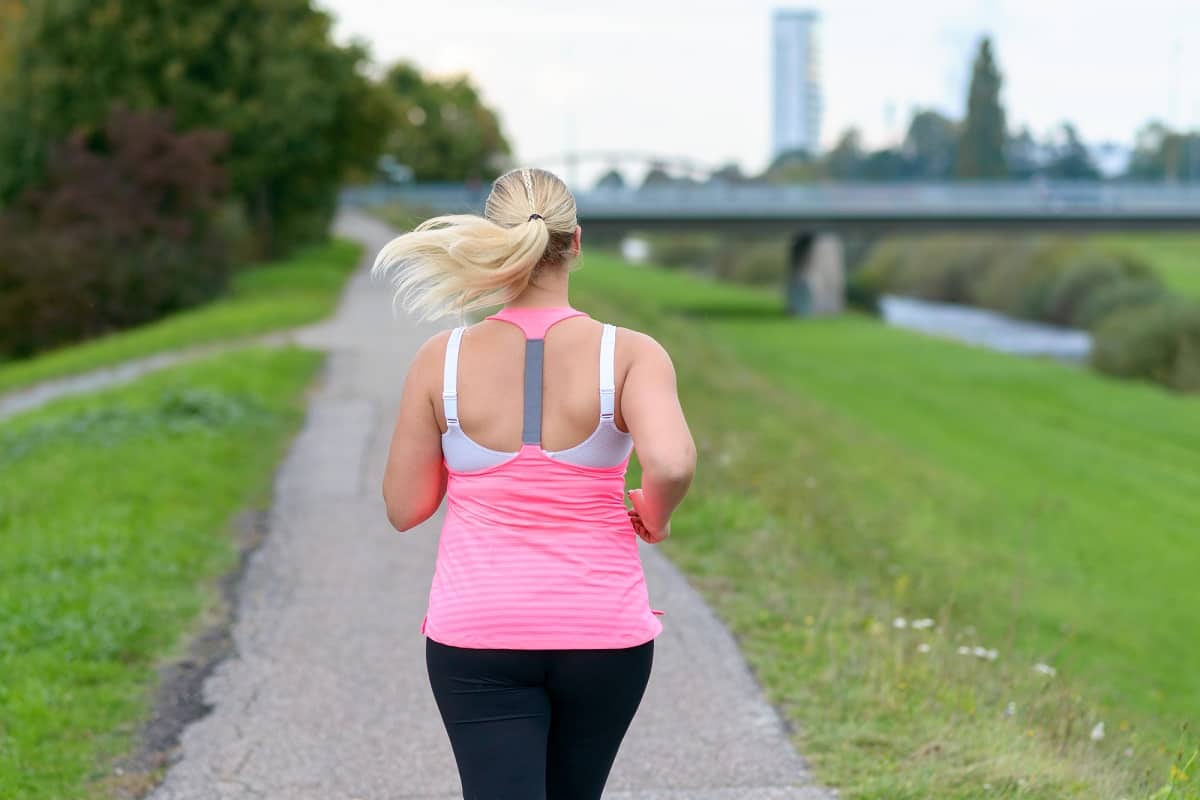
[(1084, 275), (690, 250), (861, 294), (1049, 279), (1153, 341), (1018, 273), (753, 262), (945, 268), (1118, 297), (122, 232)]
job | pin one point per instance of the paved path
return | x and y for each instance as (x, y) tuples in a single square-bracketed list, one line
[(326, 696)]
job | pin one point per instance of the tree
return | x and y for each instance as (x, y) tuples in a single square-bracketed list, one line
[(845, 160), (297, 109), (981, 143), (792, 166), (611, 180), (1070, 159), (442, 130), (11, 13), (1023, 154), (657, 176), (730, 174), (888, 164), (930, 145), (121, 231), (1163, 154)]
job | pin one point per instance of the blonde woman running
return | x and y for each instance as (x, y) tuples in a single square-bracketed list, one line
[(539, 633)]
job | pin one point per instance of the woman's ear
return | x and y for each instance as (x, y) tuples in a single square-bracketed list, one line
[(577, 240)]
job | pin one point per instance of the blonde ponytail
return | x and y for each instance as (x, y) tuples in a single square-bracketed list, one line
[(461, 262)]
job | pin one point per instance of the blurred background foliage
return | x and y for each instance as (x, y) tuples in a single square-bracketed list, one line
[(250, 118)]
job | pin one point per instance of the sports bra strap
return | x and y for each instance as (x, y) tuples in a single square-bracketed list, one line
[(531, 432), (608, 385), (450, 376)]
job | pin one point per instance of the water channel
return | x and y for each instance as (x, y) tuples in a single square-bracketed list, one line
[(986, 328)]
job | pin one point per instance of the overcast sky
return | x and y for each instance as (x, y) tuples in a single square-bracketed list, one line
[(692, 78)]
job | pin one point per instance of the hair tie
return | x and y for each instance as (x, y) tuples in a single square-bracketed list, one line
[(532, 217)]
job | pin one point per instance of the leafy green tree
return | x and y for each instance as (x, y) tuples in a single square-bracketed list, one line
[(611, 180), (298, 110), (442, 130), (657, 176), (730, 173), (1071, 159), (888, 164), (930, 145), (981, 142), (845, 160), (11, 12), (1023, 155), (792, 166), (1163, 154)]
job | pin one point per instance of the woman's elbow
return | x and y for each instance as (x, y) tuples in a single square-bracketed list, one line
[(401, 522), (676, 468), (403, 516)]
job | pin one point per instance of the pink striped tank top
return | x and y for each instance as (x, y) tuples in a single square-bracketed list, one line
[(537, 551)]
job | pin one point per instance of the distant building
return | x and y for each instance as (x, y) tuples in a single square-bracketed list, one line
[(796, 93)]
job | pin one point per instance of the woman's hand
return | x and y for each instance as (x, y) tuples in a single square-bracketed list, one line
[(635, 517)]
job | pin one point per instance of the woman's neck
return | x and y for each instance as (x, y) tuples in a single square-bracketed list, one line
[(550, 291)]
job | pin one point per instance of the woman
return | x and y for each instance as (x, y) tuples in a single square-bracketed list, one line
[(539, 633)]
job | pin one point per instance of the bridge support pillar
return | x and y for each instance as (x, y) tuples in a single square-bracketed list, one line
[(816, 282)]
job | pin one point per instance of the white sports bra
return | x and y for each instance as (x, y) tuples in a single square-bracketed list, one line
[(607, 445)]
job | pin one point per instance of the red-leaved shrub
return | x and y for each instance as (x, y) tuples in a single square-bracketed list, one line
[(121, 232)]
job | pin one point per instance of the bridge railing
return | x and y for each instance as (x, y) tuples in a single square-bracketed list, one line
[(904, 200)]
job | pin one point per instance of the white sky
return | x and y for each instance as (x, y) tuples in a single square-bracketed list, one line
[(693, 78)]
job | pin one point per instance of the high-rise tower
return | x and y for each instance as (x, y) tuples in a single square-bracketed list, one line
[(796, 94)]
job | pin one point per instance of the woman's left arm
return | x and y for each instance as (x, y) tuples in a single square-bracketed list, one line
[(415, 479)]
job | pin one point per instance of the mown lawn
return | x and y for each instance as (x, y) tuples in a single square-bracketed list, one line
[(115, 511), (300, 289), (851, 474), (1176, 256)]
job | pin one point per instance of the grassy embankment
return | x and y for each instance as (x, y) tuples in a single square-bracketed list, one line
[(115, 511), (851, 474), (299, 289)]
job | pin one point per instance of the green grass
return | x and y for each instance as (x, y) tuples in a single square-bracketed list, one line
[(851, 473), (114, 517), (274, 296), (1174, 256)]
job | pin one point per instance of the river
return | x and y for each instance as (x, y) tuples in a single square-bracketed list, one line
[(986, 328)]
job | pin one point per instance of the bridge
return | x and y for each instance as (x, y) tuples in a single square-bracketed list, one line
[(818, 216)]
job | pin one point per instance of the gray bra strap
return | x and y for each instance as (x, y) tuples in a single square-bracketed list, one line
[(531, 431)]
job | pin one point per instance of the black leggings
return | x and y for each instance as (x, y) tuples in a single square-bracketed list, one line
[(536, 724)]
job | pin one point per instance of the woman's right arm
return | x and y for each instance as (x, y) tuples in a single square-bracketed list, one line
[(652, 413)]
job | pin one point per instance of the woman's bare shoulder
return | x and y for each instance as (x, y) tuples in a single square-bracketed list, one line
[(640, 343), (430, 356)]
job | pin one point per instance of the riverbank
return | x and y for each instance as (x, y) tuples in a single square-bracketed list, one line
[(853, 474), (1123, 296)]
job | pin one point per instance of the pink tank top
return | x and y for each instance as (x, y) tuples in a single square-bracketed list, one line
[(537, 551)]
